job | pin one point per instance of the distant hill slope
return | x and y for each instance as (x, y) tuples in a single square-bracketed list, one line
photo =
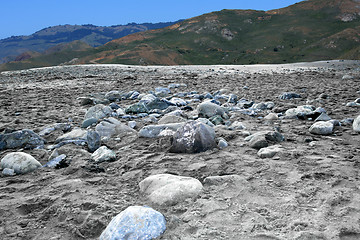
[(307, 31), (46, 38)]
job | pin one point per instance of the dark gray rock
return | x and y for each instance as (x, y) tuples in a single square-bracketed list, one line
[(93, 140), (57, 126), (55, 162), (137, 108), (21, 139), (88, 122), (193, 137)]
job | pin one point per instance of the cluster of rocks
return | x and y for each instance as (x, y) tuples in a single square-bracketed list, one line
[(189, 119)]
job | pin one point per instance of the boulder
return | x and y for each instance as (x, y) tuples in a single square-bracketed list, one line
[(75, 134), (20, 162), (300, 111), (178, 102), (323, 117), (137, 108), (98, 111), (56, 161), (356, 124), (113, 95), (209, 109), (88, 122), (135, 222), (21, 139), (111, 127), (162, 91), (167, 189), (271, 117), (103, 154), (193, 137), (93, 140), (160, 104), (269, 152), (264, 138), (153, 131), (322, 128)]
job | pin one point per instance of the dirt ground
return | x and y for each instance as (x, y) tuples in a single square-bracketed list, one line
[(309, 191)]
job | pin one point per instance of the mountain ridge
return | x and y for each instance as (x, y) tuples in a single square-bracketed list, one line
[(45, 38)]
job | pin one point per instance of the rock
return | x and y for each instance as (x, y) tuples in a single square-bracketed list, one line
[(271, 117), (93, 140), (20, 162), (171, 119), (244, 103), (206, 121), (232, 99), (162, 91), (88, 122), (8, 172), (113, 96), (258, 142), (75, 134), (222, 143), (132, 124), (135, 222), (322, 128), (289, 95), (347, 121), (356, 124), (262, 139), (55, 162), (111, 127), (157, 103), (323, 117), (269, 152), (137, 108), (263, 106), (237, 126), (167, 189), (209, 109), (153, 131), (300, 111), (193, 137), (217, 120), (103, 154), (353, 104), (347, 77), (57, 126), (98, 111), (178, 102), (21, 139)]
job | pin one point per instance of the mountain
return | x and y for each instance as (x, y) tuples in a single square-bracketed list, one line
[(49, 37), (307, 31)]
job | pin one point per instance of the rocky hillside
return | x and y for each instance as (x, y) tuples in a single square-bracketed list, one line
[(95, 36)]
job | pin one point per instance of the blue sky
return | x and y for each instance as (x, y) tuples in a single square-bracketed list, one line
[(24, 17)]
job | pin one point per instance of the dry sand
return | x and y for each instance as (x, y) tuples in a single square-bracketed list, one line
[(310, 191)]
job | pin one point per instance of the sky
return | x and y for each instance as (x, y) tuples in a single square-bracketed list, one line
[(24, 17)]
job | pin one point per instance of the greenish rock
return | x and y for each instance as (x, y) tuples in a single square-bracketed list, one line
[(157, 104), (217, 120), (137, 108)]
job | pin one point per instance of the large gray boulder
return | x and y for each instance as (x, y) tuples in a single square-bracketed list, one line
[(322, 128), (193, 137), (98, 111), (21, 139), (167, 189), (20, 162), (209, 109), (135, 222), (75, 134), (111, 127), (356, 124)]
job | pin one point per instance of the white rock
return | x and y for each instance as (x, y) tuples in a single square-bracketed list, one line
[(209, 109), (167, 189), (20, 162), (103, 154), (305, 110), (269, 152), (271, 116), (322, 128), (222, 143), (356, 124)]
